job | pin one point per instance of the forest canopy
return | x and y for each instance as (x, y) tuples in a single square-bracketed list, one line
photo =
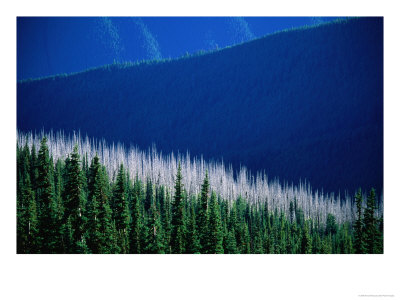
[(71, 205)]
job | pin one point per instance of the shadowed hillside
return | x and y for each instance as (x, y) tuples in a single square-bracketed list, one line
[(304, 103)]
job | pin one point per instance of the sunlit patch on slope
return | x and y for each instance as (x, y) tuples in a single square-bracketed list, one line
[(210, 41), (240, 30), (150, 43), (109, 37), (317, 20)]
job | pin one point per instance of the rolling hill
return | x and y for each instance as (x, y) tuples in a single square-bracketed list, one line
[(302, 103)]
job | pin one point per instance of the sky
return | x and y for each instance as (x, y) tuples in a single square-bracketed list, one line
[(60, 45)]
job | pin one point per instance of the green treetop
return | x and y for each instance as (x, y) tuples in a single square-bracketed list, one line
[(178, 221)]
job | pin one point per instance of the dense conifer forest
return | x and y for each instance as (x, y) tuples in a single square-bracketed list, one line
[(71, 205)]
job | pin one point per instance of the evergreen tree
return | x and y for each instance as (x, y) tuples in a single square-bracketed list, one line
[(27, 221), (49, 228), (167, 216), (136, 219), (34, 172), (155, 242), (75, 200), (331, 226), (178, 224), (215, 227), (144, 233), (68, 237), (326, 245), (346, 244), (258, 243), (230, 242), (380, 236), (100, 229), (202, 221), (246, 249), (149, 195), (121, 211), (58, 189), (359, 243), (306, 242), (117, 241), (193, 243), (370, 224), (22, 175)]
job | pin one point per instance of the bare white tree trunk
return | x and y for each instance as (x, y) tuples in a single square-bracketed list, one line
[(162, 171)]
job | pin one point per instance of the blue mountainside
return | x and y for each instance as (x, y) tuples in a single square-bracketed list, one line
[(305, 103)]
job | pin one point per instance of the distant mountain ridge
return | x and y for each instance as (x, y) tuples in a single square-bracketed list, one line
[(305, 103)]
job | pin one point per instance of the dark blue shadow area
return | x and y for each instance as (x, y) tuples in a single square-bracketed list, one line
[(304, 103)]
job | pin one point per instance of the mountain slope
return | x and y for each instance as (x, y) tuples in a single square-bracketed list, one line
[(304, 103)]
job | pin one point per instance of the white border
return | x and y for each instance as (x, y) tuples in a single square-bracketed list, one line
[(197, 277)]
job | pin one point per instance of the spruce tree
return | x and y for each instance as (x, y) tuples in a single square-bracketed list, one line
[(370, 224), (144, 233), (326, 246), (155, 236), (202, 221), (106, 229), (178, 221), (306, 242), (230, 242), (68, 239), (346, 244), (49, 228), (100, 229), (192, 238), (234, 226), (167, 216), (121, 212), (75, 201), (331, 226), (246, 240), (93, 207), (58, 189), (22, 176), (359, 243), (149, 195), (27, 221), (258, 243), (380, 236), (34, 172), (136, 219), (215, 227)]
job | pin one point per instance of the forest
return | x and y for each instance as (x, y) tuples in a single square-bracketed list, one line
[(302, 103), (71, 205)]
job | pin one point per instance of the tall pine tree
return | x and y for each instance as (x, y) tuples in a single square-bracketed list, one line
[(370, 223), (27, 220), (49, 228), (100, 229), (178, 220), (359, 243), (155, 236), (193, 243), (306, 242), (121, 211), (215, 227), (136, 218), (75, 201), (202, 222)]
